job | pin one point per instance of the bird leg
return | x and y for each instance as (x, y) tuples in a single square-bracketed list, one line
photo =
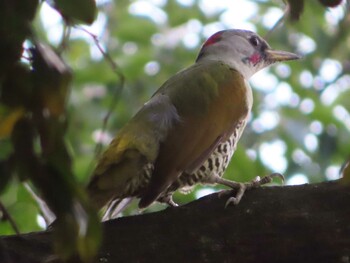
[(167, 199), (242, 187)]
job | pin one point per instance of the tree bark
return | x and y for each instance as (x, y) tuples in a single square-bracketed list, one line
[(306, 223)]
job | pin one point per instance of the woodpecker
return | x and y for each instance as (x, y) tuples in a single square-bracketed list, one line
[(188, 131)]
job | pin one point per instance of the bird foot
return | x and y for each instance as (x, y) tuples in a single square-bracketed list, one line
[(167, 200), (242, 187)]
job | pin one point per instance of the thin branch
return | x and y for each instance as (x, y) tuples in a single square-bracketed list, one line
[(278, 23), (117, 70), (6, 216), (65, 38)]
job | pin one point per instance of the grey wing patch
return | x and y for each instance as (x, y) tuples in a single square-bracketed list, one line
[(162, 114)]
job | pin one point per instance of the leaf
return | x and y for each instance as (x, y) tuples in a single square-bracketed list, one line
[(7, 122), (330, 3), (76, 11), (296, 7), (77, 228), (5, 174), (15, 20), (16, 89), (52, 78)]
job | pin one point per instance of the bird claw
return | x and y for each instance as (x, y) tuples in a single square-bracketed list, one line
[(269, 178), (173, 204), (231, 200), (168, 200), (224, 192), (257, 181), (281, 176), (242, 187), (237, 194)]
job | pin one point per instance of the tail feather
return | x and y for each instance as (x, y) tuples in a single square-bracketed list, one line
[(115, 207)]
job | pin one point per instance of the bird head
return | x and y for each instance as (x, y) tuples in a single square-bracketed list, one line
[(242, 50)]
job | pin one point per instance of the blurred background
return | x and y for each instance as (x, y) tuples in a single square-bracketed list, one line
[(300, 124)]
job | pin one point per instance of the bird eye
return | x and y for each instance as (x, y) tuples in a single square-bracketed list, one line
[(254, 41)]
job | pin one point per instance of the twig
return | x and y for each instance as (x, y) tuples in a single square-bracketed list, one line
[(8, 217), (277, 24), (65, 38), (116, 69)]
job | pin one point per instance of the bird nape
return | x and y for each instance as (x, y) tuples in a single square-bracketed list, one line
[(188, 131)]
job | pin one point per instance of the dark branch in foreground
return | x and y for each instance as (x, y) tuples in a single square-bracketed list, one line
[(308, 223)]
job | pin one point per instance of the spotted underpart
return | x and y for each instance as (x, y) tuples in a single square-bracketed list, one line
[(214, 166)]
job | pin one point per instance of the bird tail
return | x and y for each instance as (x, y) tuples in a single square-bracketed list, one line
[(115, 207)]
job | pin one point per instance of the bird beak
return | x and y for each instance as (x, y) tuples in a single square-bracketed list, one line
[(278, 55)]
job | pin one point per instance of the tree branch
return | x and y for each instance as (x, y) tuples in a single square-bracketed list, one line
[(307, 223)]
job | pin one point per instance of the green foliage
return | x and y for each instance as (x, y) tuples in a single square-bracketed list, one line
[(33, 97), (312, 128), (77, 11)]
